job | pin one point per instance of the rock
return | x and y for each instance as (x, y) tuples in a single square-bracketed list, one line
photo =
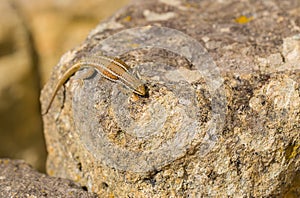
[(18, 179), (218, 120)]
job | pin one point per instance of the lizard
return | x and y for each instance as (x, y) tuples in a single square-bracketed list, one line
[(112, 69)]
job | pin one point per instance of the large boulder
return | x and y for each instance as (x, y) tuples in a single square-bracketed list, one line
[(222, 113)]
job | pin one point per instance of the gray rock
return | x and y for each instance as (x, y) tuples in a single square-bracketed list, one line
[(218, 120), (18, 179)]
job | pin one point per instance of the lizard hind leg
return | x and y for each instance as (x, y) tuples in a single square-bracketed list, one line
[(79, 78)]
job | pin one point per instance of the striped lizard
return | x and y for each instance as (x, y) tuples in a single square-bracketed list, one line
[(112, 69)]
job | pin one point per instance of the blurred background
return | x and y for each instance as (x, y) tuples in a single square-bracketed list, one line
[(34, 35)]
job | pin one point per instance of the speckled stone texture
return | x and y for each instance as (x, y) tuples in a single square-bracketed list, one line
[(18, 179), (219, 120)]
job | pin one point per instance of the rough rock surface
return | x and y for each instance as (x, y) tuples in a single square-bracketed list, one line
[(221, 122), (18, 179)]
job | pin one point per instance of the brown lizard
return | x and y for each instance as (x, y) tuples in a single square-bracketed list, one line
[(112, 69)]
